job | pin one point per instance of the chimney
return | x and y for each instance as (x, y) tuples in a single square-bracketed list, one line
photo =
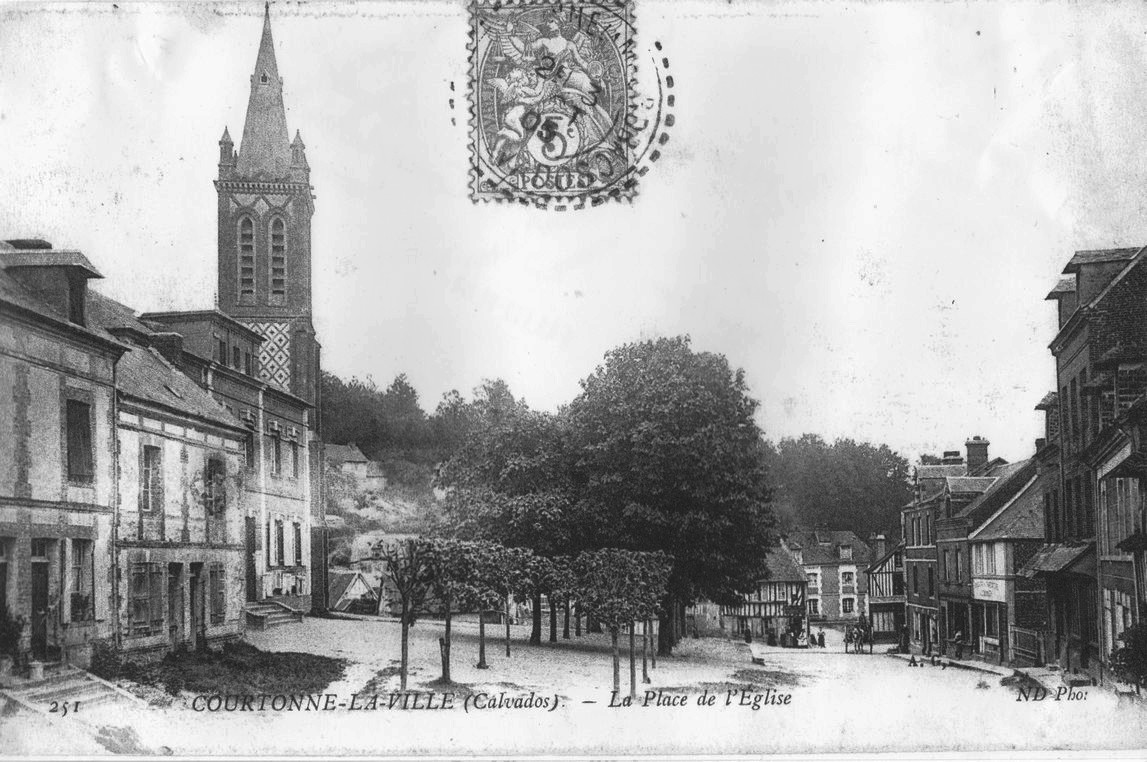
[(1040, 443), (170, 345), (879, 545), (952, 458), (977, 453)]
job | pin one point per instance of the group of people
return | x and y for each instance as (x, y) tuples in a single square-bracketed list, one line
[(856, 637)]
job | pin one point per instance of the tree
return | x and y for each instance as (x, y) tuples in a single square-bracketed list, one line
[(621, 587), (668, 457), (1129, 661), (509, 484), (490, 579), (843, 485), (451, 565), (408, 569)]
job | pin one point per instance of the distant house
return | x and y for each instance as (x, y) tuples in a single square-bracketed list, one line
[(775, 610), (350, 591), (349, 459), (832, 560), (885, 603), (346, 458)]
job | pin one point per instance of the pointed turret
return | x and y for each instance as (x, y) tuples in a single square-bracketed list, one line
[(264, 152), (300, 169), (226, 154)]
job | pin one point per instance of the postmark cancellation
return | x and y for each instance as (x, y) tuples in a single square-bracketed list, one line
[(559, 117)]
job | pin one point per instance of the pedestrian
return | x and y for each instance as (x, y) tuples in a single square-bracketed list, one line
[(959, 639), (847, 639), (820, 638)]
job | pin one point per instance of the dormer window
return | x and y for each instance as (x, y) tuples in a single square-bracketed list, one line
[(845, 552), (263, 78)]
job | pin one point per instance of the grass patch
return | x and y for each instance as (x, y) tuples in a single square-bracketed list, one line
[(239, 668), (766, 678), (377, 684)]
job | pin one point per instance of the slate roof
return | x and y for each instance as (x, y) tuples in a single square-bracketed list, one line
[(1005, 484), (969, 483), (1096, 256), (265, 150), (109, 314), (337, 454), (1020, 519), (941, 472), (1065, 285), (1054, 558), (782, 567), (813, 553), (339, 580), (15, 293), (143, 373), (14, 256)]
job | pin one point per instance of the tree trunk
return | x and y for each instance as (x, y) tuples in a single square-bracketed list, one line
[(652, 651), (446, 643), (566, 623), (577, 619), (632, 662), (536, 621), (616, 665), (482, 641), (645, 651), (665, 641), (405, 648), (553, 619), (507, 625)]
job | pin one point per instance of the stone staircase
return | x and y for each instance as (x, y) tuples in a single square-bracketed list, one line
[(68, 692), (263, 615)]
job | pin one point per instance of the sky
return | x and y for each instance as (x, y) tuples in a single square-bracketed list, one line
[(862, 205)]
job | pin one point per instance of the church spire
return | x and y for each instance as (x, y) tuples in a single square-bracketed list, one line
[(265, 151)]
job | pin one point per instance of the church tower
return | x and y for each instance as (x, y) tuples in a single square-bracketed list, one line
[(265, 209)]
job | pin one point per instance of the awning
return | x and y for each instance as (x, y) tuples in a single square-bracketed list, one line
[(1060, 558), (1136, 543)]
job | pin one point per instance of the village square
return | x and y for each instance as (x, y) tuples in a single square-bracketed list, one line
[(211, 544)]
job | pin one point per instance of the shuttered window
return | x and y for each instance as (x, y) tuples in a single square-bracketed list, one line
[(150, 478), (218, 599), (146, 599), (79, 442)]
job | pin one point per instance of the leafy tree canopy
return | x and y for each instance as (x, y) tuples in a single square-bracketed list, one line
[(666, 456)]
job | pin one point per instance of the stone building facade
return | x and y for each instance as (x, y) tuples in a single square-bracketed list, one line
[(57, 470)]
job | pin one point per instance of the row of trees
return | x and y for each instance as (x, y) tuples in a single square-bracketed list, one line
[(616, 587), (659, 453)]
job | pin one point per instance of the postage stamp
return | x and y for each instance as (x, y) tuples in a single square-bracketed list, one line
[(558, 116)]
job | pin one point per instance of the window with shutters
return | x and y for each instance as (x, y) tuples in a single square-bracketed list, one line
[(79, 461), (278, 261), (218, 594), (246, 261), (82, 576), (276, 456), (295, 460), (280, 554), (298, 545), (215, 486), (150, 478), (146, 599), (249, 449)]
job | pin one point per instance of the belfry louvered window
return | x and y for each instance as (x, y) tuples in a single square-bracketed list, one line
[(246, 260), (278, 261)]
